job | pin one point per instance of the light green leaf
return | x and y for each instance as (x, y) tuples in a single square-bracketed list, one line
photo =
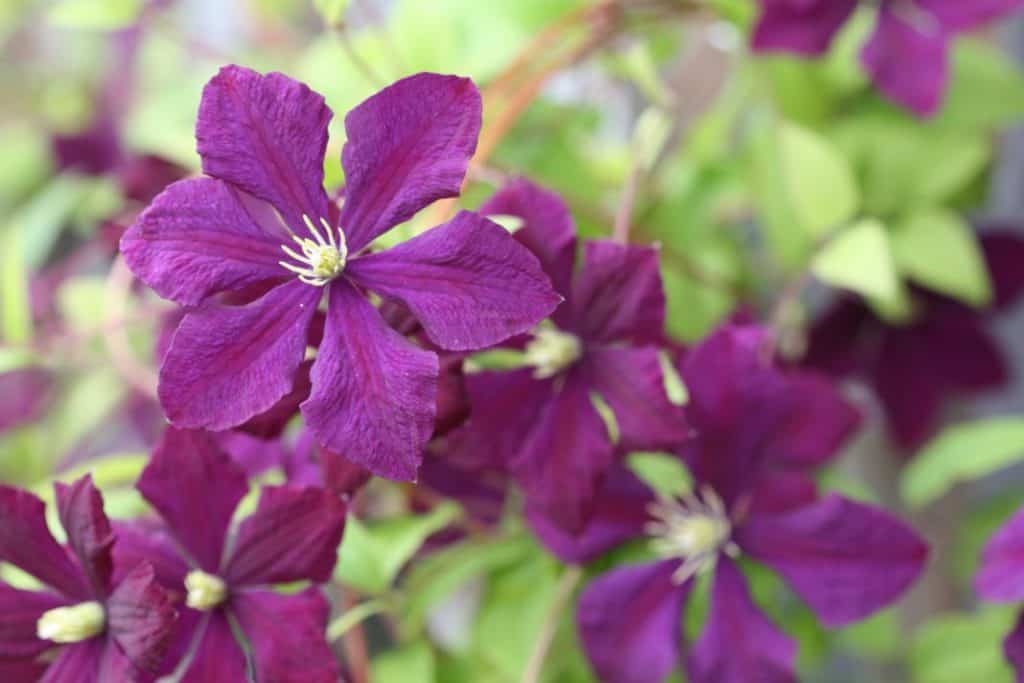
[(14, 296), (954, 649), (986, 88), (664, 473), (372, 554), (412, 663), (102, 15), (962, 453), (859, 259), (938, 250), (818, 180)]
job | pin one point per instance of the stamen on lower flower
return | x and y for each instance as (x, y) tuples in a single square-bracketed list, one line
[(205, 591), (72, 624), (692, 528), (551, 351), (322, 258)]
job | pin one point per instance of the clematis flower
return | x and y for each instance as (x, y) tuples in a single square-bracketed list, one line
[(1000, 579), (90, 625), (917, 368), (907, 55), (760, 434), (292, 536), (262, 218), (540, 422)]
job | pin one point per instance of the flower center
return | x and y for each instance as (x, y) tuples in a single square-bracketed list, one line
[(551, 350), (694, 528), (72, 624), (322, 259), (205, 591)]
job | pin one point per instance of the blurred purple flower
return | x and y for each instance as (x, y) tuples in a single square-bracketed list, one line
[(907, 55), (1000, 579), (263, 218), (292, 536), (760, 434), (944, 352), (25, 396), (108, 628)]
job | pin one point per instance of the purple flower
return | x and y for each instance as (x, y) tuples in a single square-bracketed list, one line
[(760, 433), (107, 627), (1000, 579), (292, 536), (25, 396), (944, 352), (540, 422), (264, 220), (906, 55)]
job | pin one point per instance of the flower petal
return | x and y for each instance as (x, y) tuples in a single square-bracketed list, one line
[(1004, 252), (19, 614), (230, 363), (78, 663), (218, 657), (456, 280), (547, 231), (630, 623), (21, 671), (908, 62), (738, 644), (26, 542), (296, 654), (1000, 576), (845, 559), (631, 381), (195, 487), (407, 147), (266, 134), (292, 536), (806, 28), (373, 390), (198, 239), (151, 543), (255, 456), (25, 396), (617, 294), (820, 422), (89, 535), (965, 16), (140, 619), (1013, 648)]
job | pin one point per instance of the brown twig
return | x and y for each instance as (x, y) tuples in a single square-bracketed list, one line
[(563, 594)]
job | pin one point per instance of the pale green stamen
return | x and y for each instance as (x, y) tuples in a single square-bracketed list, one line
[(551, 351), (205, 591), (322, 259), (72, 624), (693, 529)]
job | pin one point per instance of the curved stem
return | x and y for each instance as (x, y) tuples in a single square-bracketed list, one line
[(563, 594)]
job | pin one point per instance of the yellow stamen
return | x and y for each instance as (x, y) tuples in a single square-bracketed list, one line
[(205, 591), (72, 624), (551, 351)]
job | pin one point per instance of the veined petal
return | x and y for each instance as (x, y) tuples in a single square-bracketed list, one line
[(292, 536), (1000, 576), (373, 390), (806, 28), (19, 614), (630, 623), (195, 487), (407, 147), (230, 363), (820, 422), (198, 239), (151, 543), (140, 619), (89, 535), (266, 134), (218, 657), (845, 559), (468, 282), (739, 644), (298, 653), (79, 663)]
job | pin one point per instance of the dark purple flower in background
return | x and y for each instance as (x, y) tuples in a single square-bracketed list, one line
[(25, 396), (107, 627), (292, 536), (540, 422), (907, 55), (760, 435), (945, 351), (263, 218), (1000, 579)]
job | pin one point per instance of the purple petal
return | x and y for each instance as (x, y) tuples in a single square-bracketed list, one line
[(565, 457), (195, 487), (25, 396), (144, 176), (271, 423), (966, 16), (266, 135), (780, 492), (738, 644), (1004, 252), (456, 280), (79, 663), (20, 611), (908, 61), (296, 654), (21, 671), (151, 543), (547, 231), (96, 150), (219, 657), (230, 363), (1013, 647), (340, 475), (80, 506), (806, 27), (617, 294), (373, 391), (966, 355), (292, 536), (140, 619), (198, 239), (1000, 576), (820, 422), (26, 542), (845, 559), (631, 381), (630, 623), (835, 342), (407, 147), (255, 456)]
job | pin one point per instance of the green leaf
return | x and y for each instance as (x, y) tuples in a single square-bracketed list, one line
[(664, 473), (103, 15), (372, 554), (859, 259), (938, 250), (954, 649), (986, 88), (412, 663), (15, 306), (817, 180), (962, 453)]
